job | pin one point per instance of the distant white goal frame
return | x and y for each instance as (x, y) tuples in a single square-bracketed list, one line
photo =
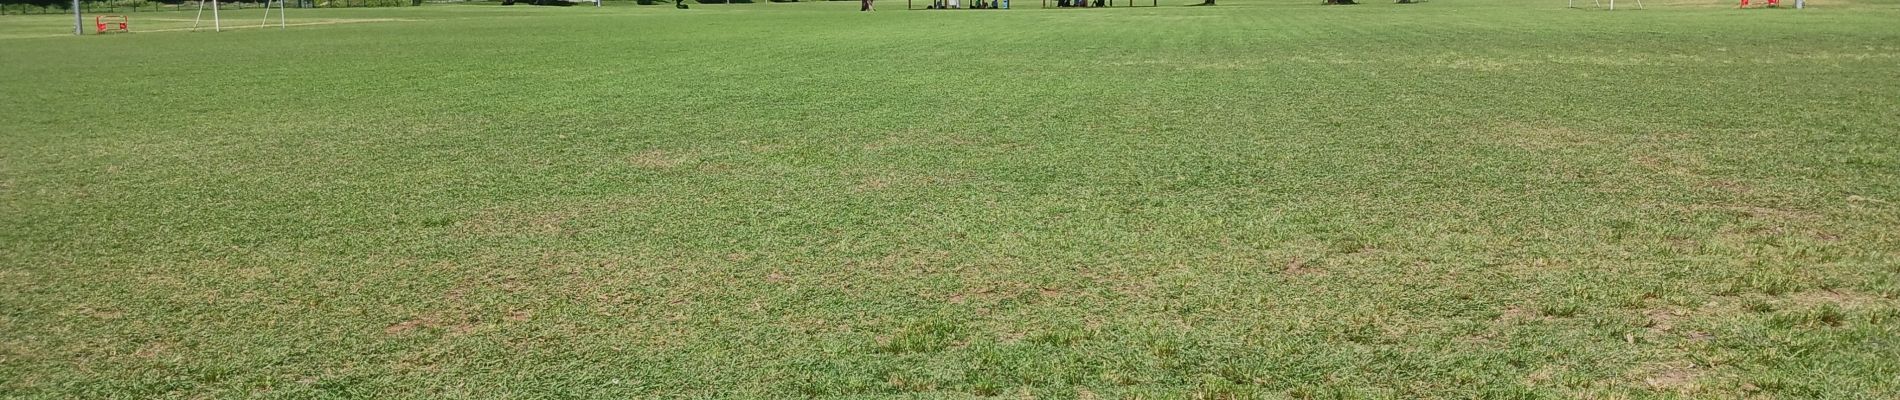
[(1599, 3), (217, 24)]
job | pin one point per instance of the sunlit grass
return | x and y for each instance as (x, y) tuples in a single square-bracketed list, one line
[(1463, 199)]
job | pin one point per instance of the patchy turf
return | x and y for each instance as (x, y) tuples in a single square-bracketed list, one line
[(1260, 199)]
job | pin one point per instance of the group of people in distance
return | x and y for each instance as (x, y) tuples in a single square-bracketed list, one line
[(1081, 3)]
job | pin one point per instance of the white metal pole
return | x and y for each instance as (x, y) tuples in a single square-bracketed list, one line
[(217, 25), (200, 17), (280, 14), (79, 23)]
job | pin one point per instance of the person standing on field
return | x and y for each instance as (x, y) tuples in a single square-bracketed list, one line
[(865, 5)]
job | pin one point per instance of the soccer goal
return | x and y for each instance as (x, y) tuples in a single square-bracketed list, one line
[(1599, 4), (217, 23)]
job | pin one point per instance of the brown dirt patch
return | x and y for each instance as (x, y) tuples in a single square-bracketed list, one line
[(1662, 320), (1666, 321), (1842, 298), (1515, 313), (1085, 394), (1297, 266), (153, 349), (519, 315), (1541, 375), (1670, 320), (1680, 376)]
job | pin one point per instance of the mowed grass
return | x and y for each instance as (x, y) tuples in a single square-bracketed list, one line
[(1462, 198)]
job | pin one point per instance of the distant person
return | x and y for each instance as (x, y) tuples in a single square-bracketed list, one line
[(865, 5)]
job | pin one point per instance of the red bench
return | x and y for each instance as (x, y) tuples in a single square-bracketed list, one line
[(108, 23)]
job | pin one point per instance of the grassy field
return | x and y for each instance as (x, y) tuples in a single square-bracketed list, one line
[(1461, 198)]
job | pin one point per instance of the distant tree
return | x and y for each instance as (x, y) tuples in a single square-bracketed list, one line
[(62, 4)]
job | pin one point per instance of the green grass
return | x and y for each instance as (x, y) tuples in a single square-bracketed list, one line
[(1462, 198)]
